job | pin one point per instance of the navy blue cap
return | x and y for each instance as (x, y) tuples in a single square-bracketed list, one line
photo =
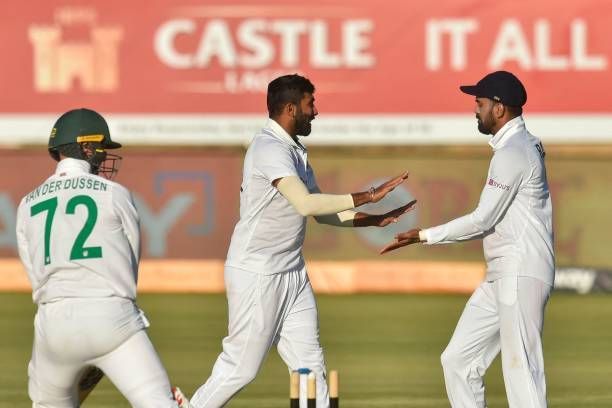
[(501, 86)]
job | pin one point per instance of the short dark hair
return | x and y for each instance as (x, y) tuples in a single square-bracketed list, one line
[(287, 89), (73, 150), (515, 110)]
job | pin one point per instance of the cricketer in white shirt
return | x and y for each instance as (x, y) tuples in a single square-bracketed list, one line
[(270, 233), (79, 241), (514, 214), (269, 295), (270, 299), (506, 312)]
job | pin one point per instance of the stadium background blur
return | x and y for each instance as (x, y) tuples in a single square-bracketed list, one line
[(182, 85)]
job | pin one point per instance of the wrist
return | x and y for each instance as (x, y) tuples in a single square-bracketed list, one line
[(361, 198), (362, 220)]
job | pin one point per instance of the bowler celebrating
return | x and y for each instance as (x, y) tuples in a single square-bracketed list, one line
[(269, 296)]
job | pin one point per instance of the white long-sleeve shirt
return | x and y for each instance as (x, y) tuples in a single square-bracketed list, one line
[(514, 214), (78, 236), (269, 236)]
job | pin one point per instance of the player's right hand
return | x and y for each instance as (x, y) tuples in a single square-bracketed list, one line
[(403, 239)]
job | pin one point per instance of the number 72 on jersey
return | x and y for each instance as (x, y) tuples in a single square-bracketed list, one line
[(79, 250)]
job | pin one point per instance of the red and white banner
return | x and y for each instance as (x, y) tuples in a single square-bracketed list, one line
[(385, 72)]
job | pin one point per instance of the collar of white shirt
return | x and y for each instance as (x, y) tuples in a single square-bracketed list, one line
[(504, 134), (71, 166), (282, 134)]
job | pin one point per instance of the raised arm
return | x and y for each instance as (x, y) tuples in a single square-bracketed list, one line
[(349, 218), (503, 181), (316, 203)]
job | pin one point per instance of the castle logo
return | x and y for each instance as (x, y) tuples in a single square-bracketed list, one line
[(89, 62)]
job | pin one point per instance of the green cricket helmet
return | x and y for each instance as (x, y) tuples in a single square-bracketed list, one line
[(83, 134)]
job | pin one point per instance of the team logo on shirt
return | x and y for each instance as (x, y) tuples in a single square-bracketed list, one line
[(499, 185)]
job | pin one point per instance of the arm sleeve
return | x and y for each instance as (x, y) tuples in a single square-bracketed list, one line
[(342, 219), (123, 203), (306, 203), (503, 181)]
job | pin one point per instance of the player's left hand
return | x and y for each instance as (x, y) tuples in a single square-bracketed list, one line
[(403, 239), (394, 215), (385, 188)]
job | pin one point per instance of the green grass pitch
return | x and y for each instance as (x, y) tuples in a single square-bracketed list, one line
[(386, 348)]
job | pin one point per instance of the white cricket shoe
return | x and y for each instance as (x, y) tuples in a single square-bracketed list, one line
[(180, 398)]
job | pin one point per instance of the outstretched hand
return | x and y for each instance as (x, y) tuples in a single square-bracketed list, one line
[(403, 239), (381, 191), (394, 215)]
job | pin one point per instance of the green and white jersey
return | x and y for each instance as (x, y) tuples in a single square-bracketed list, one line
[(78, 236)]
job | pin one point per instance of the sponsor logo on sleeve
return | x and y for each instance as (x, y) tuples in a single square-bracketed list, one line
[(502, 186)]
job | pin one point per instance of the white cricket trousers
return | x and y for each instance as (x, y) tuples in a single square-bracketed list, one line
[(508, 315), (265, 310), (73, 334)]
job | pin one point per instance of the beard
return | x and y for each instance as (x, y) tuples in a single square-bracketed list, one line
[(302, 124), (485, 126)]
